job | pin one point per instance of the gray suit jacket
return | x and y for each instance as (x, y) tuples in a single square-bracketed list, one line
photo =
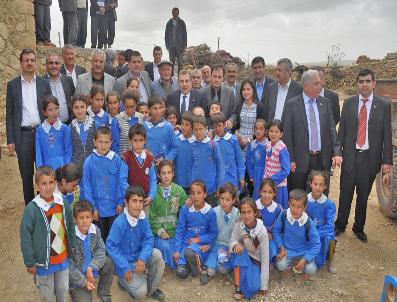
[(334, 102), (121, 83), (270, 99), (379, 133), (84, 83), (158, 90), (296, 133), (228, 102)]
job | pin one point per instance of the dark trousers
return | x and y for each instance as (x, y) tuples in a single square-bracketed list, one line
[(42, 20), (69, 27), (97, 31), (104, 224), (361, 180), (26, 159), (82, 15), (176, 53), (110, 28)]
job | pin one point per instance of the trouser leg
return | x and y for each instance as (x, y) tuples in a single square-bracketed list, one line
[(94, 30), (26, 159), (105, 278), (347, 185), (155, 267), (61, 285)]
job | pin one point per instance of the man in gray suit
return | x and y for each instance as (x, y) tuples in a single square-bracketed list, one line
[(261, 82), (135, 71), (309, 132), (96, 76), (69, 66), (280, 91), (167, 84), (224, 95), (231, 71)]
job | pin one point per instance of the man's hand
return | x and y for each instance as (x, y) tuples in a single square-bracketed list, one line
[(11, 149), (164, 236), (31, 270), (89, 286), (89, 275), (204, 248), (96, 215), (147, 201), (140, 267), (282, 253), (293, 167), (229, 124), (128, 276), (386, 168), (238, 249), (300, 265), (337, 161), (119, 209)]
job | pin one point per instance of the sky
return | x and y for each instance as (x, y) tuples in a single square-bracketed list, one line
[(301, 30)]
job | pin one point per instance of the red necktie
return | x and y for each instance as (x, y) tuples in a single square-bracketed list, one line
[(362, 125)]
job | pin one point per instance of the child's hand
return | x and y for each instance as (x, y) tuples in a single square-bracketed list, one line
[(147, 201), (282, 253), (96, 215), (193, 240), (31, 270), (89, 275), (177, 127), (176, 256), (300, 265), (238, 249), (140, 267), (204, 248), (188, 202), (269, 235), (128, 276), (164, 236), (119, 209), (89, 286)]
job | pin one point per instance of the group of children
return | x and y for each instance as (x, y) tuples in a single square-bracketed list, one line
[(145, 192)]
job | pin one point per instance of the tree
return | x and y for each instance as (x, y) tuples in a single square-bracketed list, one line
[(334, 61)]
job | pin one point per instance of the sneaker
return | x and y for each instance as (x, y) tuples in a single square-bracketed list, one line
[(332, 268), (238, 295), (204, 277), (182, 271), (105, 298), (157, 295)]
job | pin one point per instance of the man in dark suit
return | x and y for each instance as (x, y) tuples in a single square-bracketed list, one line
[(176, 38), (280, 91), (151, 67), (231, 71), (261, 82), (61, 87), (123, 69), (23, 114), (366, 140), (309, 132), (186, 98), (69, 66)]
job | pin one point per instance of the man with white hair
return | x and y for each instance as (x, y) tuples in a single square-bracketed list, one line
[(196, 79), (309, 132), (206, 76), (69, 66)]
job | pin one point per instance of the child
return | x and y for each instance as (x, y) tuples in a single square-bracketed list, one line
[(226, 216), (68, 178), (163, 213), (213, 108), (104, 181), (140, 164), (130, 245), (184, 156), (83, 130), (255, 157), (53, 138), (322, 211), (133, 83), (47, 235), (198, 111), (124, 120), (250, 245), (95, 110), (171, 117), (296, 237), (90, 257), (196, 232), (269, 211), (277, 165), (113, 104), (231, 152), (144, 109), (160, 134), (207, 160)]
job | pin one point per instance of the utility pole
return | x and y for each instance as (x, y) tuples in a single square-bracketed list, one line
[(248, 63), (218, 42), (59, 39)]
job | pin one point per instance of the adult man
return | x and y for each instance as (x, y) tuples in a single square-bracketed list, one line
[(82, 15), (134, 70), (23, 113), (196, 79), (110, 20), (206, 76), (62, 87), (365, 137), (69, 15), (42, 20), (224, 95), (278, 92), (231, 71), (123, 69), (69, 67), (329, 94), (109, 68), (96, 75), (176, 38), (186, 98), (167, 83), (309, 132), (261, 82), (152, 68)]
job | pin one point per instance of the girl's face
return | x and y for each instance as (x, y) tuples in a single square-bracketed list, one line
[(226, 200), (186, 128), (51, 112), (267, 195), (275, 134), (166, 176), (248, 215), (260, 131), (80, 110), (129, 107), (200, 131), (215, 108), (156, 112), (172, 119), (68, 187), (318, 186), (145, 111), (134, 85), (247, 92), (113, 105), (97, 102), (197, 195)]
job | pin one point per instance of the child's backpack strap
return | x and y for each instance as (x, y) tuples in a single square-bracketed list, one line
[(284, 218)]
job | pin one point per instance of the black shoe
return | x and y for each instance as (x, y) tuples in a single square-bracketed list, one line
[(204, 278), (338, 231), (182, 271), (361, 236), (157, 295)]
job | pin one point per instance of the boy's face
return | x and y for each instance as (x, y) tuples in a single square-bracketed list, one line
[(296, 207), (103, 143), (80, 110), (172, 119), (156, 112), (226, 200), (46, 185), (166, 175), (83, 221), (215, 108), (186, 128), (200, 131), (129, 107), (97, 102), (318, 186), (219, 129), (145, 111), (113, 105), (134, 205), (138, 143)]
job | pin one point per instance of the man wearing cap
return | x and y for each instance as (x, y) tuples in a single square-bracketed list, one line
[(167, 83)]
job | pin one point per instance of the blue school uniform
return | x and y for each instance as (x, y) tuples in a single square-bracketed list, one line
[(160, 139), (184, 160), (53, 145), (255, 159), (322, 212), (102, 117), (218, 254), (129, 239), (192, 224), (232, 158), (104, 182), (208, 164)]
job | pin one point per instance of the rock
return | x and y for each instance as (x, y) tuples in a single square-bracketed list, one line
[(20, 26), (3, 31), (22, 7)]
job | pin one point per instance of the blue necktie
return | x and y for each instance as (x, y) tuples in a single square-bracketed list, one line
[(183, 107)]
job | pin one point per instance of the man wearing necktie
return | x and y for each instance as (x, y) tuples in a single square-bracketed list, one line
[(365, 137)]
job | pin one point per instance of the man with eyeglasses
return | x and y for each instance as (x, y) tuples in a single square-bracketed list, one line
[(23, 114)]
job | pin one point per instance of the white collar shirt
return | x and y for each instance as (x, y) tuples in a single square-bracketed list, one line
[(30, 111)]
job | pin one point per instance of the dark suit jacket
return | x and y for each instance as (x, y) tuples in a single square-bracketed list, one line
[(79, 69), (268, 81), (334, 102), (296, 133), (260, 113), (228, 102), (270, 99), (379, 133), (14, 107), (149, 69), (121, 71), (196, 99)]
